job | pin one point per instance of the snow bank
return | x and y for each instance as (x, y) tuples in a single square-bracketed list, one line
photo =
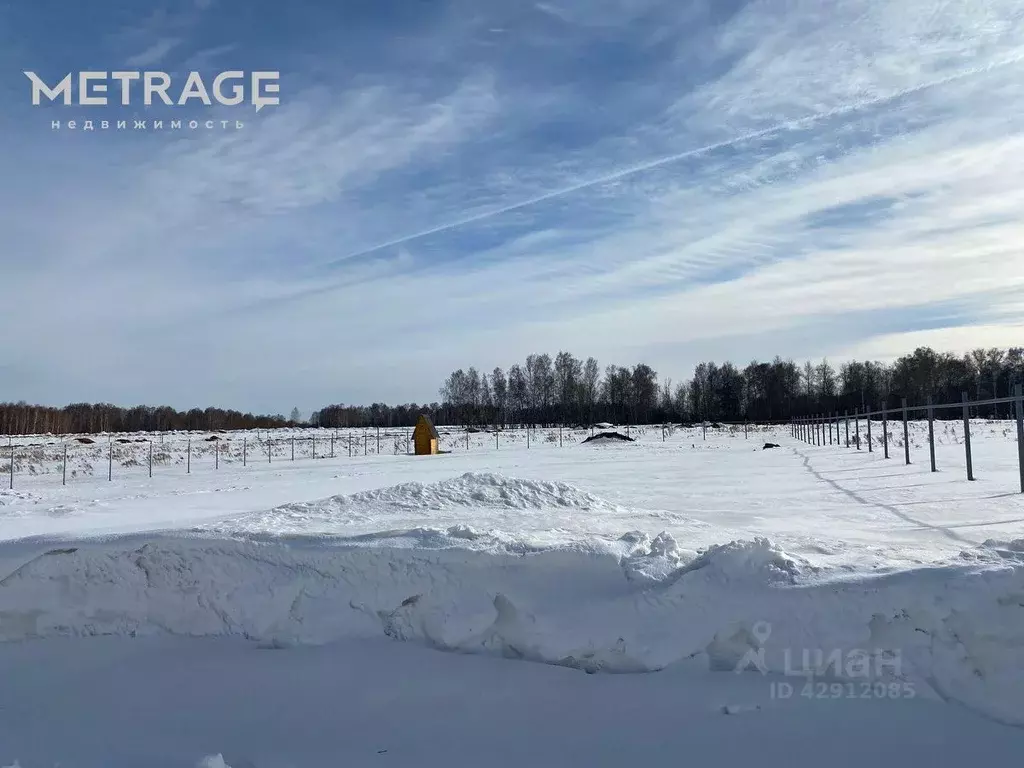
[(956, 631)]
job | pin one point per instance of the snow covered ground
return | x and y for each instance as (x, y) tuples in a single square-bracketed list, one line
[(355, 610)]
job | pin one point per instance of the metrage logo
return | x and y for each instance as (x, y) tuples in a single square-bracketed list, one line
[(93, 88)]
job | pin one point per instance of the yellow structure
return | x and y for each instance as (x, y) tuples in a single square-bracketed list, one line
[(424, 437)]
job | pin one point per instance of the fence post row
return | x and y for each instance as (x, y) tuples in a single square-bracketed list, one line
[(810, 429)]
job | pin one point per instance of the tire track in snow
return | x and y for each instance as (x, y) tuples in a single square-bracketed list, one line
[(878, 505)]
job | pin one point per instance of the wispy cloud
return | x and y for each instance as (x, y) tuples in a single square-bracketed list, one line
[(154, 54), (629, 180)]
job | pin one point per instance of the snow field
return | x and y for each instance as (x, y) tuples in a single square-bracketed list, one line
[(674, 557)]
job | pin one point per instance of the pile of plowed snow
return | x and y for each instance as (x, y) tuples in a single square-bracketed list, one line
[(422, 507), (473, 489), (956, 632)]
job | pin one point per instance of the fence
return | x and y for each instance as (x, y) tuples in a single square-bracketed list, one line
[(813, 429), (82, 455)]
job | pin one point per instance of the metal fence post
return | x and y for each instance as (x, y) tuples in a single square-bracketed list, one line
[(931, 433), (967, 436), (332, 446), (150, 458), (293, 449), (216, 455), (829, 430), (378, 441), (64, 467), (856, 425), (110, 461), (1019, 392), (270, 450), (906, 433), (364, 443), (846, 420), (188, 458), (867, 420), (12, 466), (314, 446), (885, 430), (245, 450)]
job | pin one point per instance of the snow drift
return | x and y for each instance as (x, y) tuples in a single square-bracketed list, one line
[(638, 606), (432, 512)]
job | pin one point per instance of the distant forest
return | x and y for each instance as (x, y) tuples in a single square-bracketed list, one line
[(24, 419), (567, 390), (564, 389)]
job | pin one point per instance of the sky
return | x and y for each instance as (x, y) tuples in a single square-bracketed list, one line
[(448, 183)]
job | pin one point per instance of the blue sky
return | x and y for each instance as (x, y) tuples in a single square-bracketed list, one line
[(460, 183)]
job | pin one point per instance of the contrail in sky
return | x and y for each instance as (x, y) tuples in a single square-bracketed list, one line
[(668, 159)]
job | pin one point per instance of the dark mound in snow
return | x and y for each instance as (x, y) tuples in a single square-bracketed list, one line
[(85, 440), (608, 437), (770, 445)]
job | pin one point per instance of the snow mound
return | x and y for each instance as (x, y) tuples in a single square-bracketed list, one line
[(754, 561), (421, 506), (604, 438), (957, 630), (476, 489)]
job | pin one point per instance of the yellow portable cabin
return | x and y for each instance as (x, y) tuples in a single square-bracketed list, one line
[(424, 437)]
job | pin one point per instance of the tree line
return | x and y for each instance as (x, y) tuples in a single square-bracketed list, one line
[(24, 419), (565, 389)]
